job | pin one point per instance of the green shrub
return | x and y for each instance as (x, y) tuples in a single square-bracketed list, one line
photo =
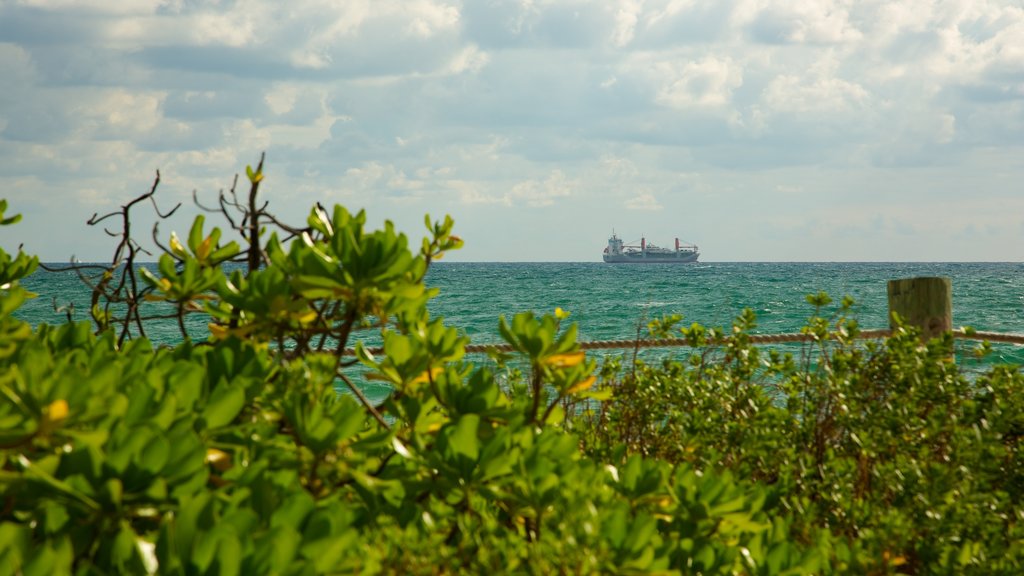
[(235, 455), (913, 466)]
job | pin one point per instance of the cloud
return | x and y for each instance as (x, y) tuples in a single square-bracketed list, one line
[(643, 201), (668, 24), (705, 83), (541, 193), (627, 15), (819, 22), (813, 94), (614, 111)]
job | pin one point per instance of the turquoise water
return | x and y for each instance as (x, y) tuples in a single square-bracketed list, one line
[(611, 301)]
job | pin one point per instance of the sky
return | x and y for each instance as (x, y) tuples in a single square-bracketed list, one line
[(761, 130)]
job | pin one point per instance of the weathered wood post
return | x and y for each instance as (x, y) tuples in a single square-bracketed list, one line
[(926, 303)]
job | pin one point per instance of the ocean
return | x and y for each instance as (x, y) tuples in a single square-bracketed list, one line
[(610, 302)]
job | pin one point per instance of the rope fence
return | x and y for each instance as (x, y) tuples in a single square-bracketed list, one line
[(754, 339)]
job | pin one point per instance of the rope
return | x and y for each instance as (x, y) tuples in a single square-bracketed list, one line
[(990, 336), (754, 339)]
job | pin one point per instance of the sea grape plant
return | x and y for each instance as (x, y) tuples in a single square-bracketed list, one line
[(911, 464), (234, 453)]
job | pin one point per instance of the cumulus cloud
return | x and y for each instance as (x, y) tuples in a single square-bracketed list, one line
[(820, 94), (627, 15), (611, 109), (799, 21), (538, 193), (643, 201), (705, 83)]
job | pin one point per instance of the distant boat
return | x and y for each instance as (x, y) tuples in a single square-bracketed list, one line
[(618, 252)]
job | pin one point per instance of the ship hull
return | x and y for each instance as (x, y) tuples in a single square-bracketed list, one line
[(679, 258)]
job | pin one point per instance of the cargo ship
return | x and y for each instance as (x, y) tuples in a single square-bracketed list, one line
[(619, 252)]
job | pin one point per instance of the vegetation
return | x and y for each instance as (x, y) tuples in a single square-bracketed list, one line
[(236, 455), (911, 466)]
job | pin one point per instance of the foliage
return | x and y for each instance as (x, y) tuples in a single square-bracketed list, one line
[(236, 454), (913, 466)]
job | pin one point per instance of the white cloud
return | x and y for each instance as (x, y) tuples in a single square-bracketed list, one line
[(707, 83), (281, 98), (236, 28), (800, 94), (619, 167), (618, 111), (368, 175), (644, 201), (107, 7), (538, 193), (430, 18), (799, 21), (945, 129), (120, 113), (305, 136), (627, 14), (469, 59)]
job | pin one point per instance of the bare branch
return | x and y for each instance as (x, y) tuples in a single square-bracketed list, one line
[(195, 200), (223, 210), (291, 230), (156, 232), (234, 195), (94, 220), (363, 400), (162, 215)]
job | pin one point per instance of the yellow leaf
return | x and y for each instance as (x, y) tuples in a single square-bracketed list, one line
[(218, 459), (53, 414), (566, 360), (584, 385), (427, 375), (218, 331), (56, 411), (204, 249), (177, 247), (305, 318), (897, 561)]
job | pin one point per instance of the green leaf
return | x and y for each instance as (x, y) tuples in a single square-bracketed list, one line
[(195, 234), (225, 403), (154, 455), (42, 562), (462, 438)]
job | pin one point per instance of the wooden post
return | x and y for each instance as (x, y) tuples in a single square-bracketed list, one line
[(926, 303)]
